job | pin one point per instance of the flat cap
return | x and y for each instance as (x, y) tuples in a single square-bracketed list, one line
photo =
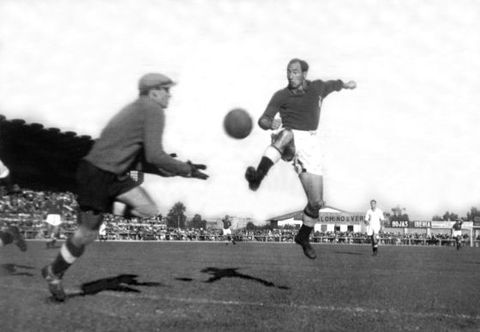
[(154, 80)]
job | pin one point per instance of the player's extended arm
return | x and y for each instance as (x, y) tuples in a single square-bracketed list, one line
[(350, 85), (328, 87), (195, 169), (154, 153)]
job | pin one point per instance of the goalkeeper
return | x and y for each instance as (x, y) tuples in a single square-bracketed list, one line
[(135, 133)]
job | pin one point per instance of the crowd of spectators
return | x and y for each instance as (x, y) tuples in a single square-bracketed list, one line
[(28, 210), (287, 235)]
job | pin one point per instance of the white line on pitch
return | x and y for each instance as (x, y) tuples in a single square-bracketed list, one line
[(312, 307)]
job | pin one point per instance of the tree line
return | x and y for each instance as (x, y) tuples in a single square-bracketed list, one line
[(470, 215)]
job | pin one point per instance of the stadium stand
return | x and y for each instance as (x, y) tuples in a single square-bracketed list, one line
[(41, 158), (27, 209)]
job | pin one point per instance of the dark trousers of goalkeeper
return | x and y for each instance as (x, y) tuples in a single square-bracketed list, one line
[(97, 192)]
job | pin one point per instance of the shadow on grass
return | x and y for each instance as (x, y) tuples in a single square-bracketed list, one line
[(10, 269), (348, 253), (184, 279), (217, 274), (120, 283)]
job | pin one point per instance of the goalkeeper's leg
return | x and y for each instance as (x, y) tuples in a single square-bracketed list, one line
[(71, 250), (139, 203)]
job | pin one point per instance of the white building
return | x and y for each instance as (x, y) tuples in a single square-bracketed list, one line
[(331, 219)]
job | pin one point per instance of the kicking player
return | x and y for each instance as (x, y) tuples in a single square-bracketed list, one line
[(226, 231), (295, 139), (12, 233), (457, 233), (135, 133), (373, 220)]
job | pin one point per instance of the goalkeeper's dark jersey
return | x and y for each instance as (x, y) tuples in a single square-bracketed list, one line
[(136, 129)]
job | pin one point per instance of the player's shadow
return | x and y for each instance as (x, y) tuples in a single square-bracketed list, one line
[(217, 274), (184, 279), (11, 269), (348, 253), (120, 283)]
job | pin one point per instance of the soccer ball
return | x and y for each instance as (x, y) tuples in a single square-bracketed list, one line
[(238, 123)]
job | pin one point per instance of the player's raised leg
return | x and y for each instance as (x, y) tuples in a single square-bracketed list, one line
[(89, 222), (282, 146), (140, 205)]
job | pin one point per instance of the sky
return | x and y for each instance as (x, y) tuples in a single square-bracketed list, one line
[(407, 136)]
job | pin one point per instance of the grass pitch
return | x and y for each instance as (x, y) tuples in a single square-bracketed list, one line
[(178, 286)]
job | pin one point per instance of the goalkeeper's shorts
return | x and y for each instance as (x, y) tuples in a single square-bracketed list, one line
[(98, 189)]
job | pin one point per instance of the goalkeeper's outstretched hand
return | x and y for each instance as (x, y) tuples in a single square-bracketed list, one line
[(195, 171)]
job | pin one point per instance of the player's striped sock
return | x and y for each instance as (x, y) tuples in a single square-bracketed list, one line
[(5, 238), (67, 256), (264, 166)]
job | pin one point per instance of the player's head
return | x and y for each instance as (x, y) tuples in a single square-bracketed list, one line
[(156, 86), (373, 203), (297, 70)]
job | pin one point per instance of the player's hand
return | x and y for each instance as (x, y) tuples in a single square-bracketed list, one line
[(198, 166), (350, 85), (276, 123), (195, 171)]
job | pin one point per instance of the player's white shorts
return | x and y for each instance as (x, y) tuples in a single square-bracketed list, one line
[(308, 154), (456, 233), (227, 231), (373, 228), (53, 219)]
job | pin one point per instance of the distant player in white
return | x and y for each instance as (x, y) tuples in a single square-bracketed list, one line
[(53, 219), (373, 220), (102, 233), (457, 233)]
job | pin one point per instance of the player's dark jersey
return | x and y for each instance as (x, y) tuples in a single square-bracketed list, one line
[(54, 207), (457, 226), (300, 111), (226, 223), (137, 129)]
